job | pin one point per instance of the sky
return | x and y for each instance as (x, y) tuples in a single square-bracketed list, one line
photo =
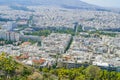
[(105, 3)]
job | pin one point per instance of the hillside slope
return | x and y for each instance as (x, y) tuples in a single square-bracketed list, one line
[(62, 3)]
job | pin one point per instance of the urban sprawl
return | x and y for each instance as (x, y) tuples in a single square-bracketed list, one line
[(35, 37)]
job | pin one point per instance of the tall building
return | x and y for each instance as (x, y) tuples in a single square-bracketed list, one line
[(9, 26), (7, 35)]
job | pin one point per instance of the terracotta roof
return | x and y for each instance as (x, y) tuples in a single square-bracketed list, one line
[(26, 43), (23, 56), (67, 57), (40, 61)]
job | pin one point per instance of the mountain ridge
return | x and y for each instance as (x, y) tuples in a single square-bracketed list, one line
[(71, 4)]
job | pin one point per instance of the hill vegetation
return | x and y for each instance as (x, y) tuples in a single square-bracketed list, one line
[(13, 70), (82, 73)]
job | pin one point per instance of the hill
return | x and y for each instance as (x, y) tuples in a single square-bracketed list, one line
[(11, 69), (71, 4), (14, 70)]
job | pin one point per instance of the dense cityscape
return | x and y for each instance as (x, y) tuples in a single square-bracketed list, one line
[(55, 37)]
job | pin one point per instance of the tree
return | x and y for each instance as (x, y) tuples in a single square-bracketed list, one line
[(46, 70), (92, 73), (62, 73), (118, 76), (81, 77), (7, 65), (72, 74), (113, 75)]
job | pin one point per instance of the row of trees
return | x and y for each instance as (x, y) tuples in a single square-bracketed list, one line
[(40, 33), (2, 42), (103, 33), (48, 32)]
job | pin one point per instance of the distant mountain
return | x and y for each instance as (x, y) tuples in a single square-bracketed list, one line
[(72, 4)]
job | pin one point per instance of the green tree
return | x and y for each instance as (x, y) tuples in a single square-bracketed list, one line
[(62, 73), (46, 70), (118, 76), (81, 77), (7, 65), (92, 73)]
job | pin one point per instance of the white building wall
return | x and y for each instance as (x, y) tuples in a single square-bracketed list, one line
[(6, 35)]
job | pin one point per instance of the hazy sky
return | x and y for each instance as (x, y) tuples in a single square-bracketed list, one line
[(105, 3)]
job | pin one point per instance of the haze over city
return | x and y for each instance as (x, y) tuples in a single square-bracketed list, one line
[(105, 3)]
